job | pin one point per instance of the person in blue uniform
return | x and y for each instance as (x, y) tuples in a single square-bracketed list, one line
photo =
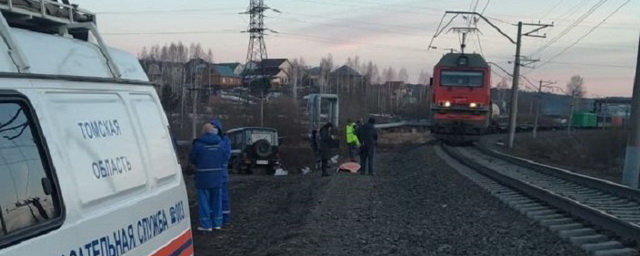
[(226, 149), (208, 156)]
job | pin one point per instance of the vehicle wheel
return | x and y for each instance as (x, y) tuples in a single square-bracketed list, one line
[(262, 148), (235, 166)]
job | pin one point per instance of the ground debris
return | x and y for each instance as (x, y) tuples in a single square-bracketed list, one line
[(415, 205)]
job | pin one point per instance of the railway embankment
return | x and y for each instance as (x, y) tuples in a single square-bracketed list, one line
[(597, 153)]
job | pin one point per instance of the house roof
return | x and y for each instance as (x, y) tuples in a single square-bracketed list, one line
[(197, 61), (272, 71), (225, 71), (346, 71), (314, 71), (268, 71), (269, 63), (231, 65)]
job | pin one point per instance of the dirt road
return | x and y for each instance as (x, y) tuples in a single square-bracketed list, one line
[(415, 205)]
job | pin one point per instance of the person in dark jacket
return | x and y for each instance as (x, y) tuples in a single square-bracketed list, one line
[(368, 141), (326, 146), (208, 156), (313, 141), (226, 149)]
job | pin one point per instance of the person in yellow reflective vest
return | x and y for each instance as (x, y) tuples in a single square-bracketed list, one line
[(352, 140)]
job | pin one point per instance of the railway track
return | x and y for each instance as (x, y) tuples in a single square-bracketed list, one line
[(600, 216)]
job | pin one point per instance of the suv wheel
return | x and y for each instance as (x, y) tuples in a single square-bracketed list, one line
[(262, 148)]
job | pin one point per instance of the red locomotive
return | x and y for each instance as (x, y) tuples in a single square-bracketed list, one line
[(461, 105)]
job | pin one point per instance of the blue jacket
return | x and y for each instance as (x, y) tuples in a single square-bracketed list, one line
[(208, 157), (225, 144)]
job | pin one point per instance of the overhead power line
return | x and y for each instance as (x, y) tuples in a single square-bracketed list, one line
[(337, 41), (411, 7), (226, 31), (591, 64), (359, 27), (570, 27), (552, 9), (381, 8), (351, 21), (485, 7), (574, 9), (586, 34), (219, 10)]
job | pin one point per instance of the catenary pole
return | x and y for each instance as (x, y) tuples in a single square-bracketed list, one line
[(632, 155)]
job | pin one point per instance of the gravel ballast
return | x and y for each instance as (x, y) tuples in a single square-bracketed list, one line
[(415, 205)]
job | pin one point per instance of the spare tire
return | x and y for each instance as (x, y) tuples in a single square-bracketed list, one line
[(262, 148)]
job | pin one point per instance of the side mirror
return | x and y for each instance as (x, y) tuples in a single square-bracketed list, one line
[(46, 186)]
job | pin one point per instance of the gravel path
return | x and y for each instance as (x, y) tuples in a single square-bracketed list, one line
[(415, 205)]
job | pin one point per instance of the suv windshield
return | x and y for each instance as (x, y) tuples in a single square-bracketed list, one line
[(461, 78)]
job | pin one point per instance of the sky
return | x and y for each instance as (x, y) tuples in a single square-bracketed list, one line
[(596, 39)]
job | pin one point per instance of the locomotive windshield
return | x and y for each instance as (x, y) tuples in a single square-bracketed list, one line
[(462, 78)]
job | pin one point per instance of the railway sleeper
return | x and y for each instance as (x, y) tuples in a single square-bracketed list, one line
[(576, 232), (617, 252), (608, 245), (559, 221), (552, 216), (570, 226), (589, 239), (531, 214)]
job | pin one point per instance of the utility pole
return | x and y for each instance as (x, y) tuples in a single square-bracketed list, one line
[(516, 69), (631, 169), (538, 101), (571, 109), (257, 50), (194, 114), (261, 108), (513, 114)]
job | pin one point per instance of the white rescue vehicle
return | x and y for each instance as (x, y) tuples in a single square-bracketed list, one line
[(87, 166)]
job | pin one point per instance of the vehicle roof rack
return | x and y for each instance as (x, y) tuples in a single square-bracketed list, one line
[(43, 15), (51, 17)]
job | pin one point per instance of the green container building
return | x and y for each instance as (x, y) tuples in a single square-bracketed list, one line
[(584, 120)]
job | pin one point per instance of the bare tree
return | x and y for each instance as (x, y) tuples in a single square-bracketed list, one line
[(326, 66), (209, 56), (575, 89), (403, 75), (423, 78), (298, 71), (503, 88), (354, 63), (196, 51), (389, 74), (143, 54)]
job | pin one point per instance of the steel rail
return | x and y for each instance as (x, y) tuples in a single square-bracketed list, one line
[(596, 217)]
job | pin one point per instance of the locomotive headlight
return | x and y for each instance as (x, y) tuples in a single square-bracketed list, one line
[(473, 105), (447, 104)]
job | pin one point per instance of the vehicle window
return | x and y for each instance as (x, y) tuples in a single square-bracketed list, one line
[(461, 78), (260, 135), (23, 172), (233, 140), (240, 139)]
